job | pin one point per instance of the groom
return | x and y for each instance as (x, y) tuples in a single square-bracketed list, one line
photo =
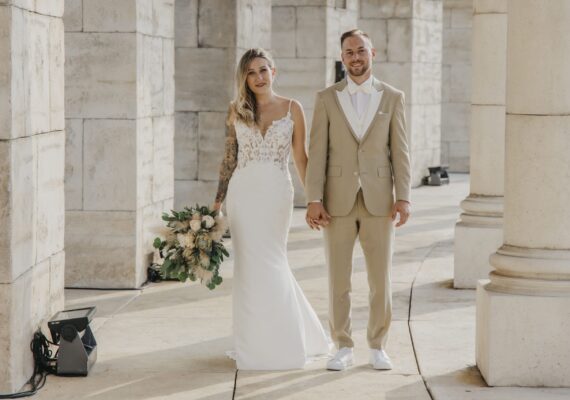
[(358, 158)]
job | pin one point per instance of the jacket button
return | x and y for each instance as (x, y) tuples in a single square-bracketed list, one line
[(355, 173)]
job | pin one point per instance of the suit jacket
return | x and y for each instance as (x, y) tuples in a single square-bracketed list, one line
[(340, 162)]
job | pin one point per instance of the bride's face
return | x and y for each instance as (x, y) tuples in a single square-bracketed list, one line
[(260, 76)]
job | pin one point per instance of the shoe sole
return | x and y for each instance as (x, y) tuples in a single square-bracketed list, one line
[(383, 367), (349, 364)]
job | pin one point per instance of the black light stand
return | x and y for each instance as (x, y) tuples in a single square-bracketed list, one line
[(77, 346), (437, 176)]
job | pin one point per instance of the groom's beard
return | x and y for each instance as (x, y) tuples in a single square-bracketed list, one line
[(359, 70)]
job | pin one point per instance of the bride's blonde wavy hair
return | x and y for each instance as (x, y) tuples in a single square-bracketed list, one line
[(244, 106)]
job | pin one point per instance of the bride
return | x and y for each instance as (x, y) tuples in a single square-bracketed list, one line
[(274, 325)]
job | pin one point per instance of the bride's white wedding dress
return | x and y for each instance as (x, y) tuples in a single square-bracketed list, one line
[(274, 325)]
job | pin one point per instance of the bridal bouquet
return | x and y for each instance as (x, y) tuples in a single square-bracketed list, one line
[(193, 247)]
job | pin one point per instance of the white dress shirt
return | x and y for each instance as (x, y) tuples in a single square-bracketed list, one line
[(360, 95)]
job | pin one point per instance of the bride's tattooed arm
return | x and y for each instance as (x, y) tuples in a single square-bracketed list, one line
[(229, 163)]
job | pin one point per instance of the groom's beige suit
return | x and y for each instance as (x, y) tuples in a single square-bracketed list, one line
[(356, 163)]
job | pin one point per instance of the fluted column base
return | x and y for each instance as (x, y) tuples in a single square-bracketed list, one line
[(522, 340), (478, 234)]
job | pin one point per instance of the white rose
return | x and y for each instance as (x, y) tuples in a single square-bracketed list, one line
[(208, 221), (190, 240), (186, 239), (195, 225), (216, 235)]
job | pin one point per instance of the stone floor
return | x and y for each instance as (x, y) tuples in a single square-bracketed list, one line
[(167, 341)]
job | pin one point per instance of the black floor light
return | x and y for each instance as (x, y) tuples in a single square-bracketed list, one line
[(437, 176), (77, 346)]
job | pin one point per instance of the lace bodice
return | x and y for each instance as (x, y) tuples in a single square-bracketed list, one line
[(274, 147)]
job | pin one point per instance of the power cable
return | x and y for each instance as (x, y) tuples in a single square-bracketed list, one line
[(44, 364)]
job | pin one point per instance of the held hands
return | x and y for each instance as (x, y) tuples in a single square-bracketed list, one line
[(403, 208), (317, 216)]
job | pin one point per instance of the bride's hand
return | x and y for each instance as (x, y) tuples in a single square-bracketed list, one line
[(317, 216), (217, 206)]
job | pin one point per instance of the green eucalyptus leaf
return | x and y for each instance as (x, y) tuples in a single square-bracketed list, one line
[(182, 276)]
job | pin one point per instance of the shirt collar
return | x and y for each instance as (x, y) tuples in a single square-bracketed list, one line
[(366, 85)]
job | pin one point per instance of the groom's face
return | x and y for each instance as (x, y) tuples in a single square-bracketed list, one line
[(357, 54)]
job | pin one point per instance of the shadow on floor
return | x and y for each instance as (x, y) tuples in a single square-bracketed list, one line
[(192, 371)]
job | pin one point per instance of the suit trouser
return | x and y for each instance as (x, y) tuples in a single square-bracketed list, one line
[(376, 237)]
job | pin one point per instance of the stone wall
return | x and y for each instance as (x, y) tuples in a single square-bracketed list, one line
[(32, 211), (119, 150), (407, 35), (306, 45), (456, 84), (211, 36)]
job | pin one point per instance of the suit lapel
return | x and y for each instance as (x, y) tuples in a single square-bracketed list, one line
[(373, 104), (374, 107), (348, 109), (345, 106)]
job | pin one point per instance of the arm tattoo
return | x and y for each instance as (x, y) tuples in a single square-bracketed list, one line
[(229, 163)]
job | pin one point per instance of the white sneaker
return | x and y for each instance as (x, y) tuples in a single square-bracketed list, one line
[(343, 359), (379, 359)]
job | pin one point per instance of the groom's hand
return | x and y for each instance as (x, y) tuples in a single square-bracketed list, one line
[(401, 207), (317, 216)]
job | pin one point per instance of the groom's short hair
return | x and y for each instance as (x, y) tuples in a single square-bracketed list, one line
[(354, 32)]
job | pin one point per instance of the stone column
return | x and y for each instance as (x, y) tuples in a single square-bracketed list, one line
[(456, 84), (120, 142), (32, 209), (211, 36), (479, 232), (523, 313), (407, 35), (306, 45)]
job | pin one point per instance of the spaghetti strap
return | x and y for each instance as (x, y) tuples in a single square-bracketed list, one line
[(290, 102)]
